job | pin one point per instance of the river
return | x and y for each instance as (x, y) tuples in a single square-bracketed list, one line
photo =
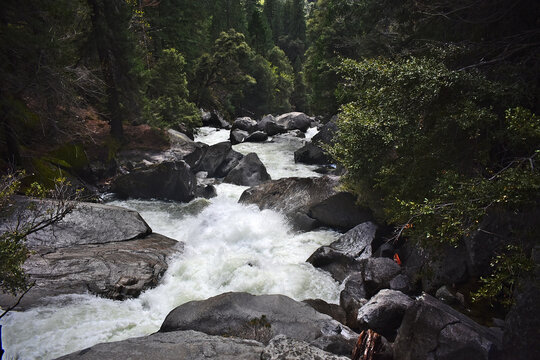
[(229, 247)]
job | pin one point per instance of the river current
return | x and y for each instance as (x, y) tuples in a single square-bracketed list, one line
[(228, 247)]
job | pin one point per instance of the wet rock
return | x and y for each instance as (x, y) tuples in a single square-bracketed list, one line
[(168, 180), (219, 160), (326, 133), (294, 121), (384, 312), (261, 124), (175, 345), (206, 191), (257, 136), (245, 123), (214, 119), (238, 136), (250, 171), (338, 264), (272, 129), (311, 154), (340, 211), (261, 318), (336, 312), (291, 196), (116, 270), (433, 330), (284, 348)]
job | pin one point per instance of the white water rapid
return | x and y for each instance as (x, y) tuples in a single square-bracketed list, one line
[(229, 247)]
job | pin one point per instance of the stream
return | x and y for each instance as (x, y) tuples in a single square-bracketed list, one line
[(228, 247)]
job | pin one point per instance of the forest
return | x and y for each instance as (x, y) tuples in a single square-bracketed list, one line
[(436, 104)]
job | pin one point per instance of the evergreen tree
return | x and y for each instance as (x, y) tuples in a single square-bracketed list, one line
[(260, 35)]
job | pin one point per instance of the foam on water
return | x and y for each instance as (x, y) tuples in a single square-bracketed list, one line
[(228, 247)]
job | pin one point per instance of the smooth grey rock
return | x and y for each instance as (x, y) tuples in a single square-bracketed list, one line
[(311, 154), (250, 171), (340, 211), (335, 311), (207, 191), (116, 270), (219, 159), (294, 121), (214, 119), (401, 283), (326, 133), (238, 136), (272, 128), (384, 312), (291, 196), (261, 124), (188, 345), (261, 317), (257, 136), (338, 264), (245, 123), (433, 330), (357, 241), (167, 180), (377, 274), (86, 224), (284, 348), (353, 297)]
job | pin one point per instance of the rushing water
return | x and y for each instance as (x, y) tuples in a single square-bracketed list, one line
[(229, 247)]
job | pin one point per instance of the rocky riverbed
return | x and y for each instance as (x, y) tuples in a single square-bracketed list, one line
[(262, 257)]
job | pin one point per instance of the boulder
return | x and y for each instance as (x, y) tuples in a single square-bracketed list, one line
[(357, 241), (292, 197), (326, 133), (448, 297), (257, 136), (116, 270), (294, 121), (206, 191), (311, 154), (250, 171), (219, 160), (377, 274), (336, 312), (245, 123), (352, 297), (238, 136), (434, 267), (214, 119), (433, 330), (184, 148), (272, 128), (174, 345), (340, 211), (168, 180), (338, 264), (261, 317), (384, 312), (284, 348), (261, 124), (401, 283)]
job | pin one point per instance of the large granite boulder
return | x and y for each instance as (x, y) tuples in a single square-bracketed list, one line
[(104, 250), (352, 297), (335, 311), (214, 119), (250, 171), (340, 211), (433, 330), (269, 125), (261, 317), (219, 160), (245, 123), (238, 136), (326, 133), (294, 121), (184, 148), (168, 180), (257, 136), (292, 197), (311, 154), (384, 312), (357, 241), (174, 345)]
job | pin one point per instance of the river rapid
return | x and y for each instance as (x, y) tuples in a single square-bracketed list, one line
[(228, 247)]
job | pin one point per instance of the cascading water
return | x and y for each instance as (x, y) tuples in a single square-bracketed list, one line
[(229, 247)]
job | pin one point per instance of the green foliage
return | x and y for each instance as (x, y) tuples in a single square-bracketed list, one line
[(167, 102), (499, 287), (428, 148), (284, 80)]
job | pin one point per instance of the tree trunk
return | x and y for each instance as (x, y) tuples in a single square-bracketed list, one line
[(107, 68)]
